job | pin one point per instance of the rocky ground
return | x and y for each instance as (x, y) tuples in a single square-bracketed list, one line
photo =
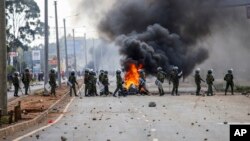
[(186, 117)]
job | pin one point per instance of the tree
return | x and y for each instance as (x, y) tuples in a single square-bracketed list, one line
[(23, 24)]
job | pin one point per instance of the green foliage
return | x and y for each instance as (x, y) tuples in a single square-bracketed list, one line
[(10, 69), (23, 23)]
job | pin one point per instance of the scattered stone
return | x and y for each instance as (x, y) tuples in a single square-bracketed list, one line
[(107, 118), (110, 125), (108, 140), (120, 132), (225, 122), (94, 108), (65, 123), (170, 119), (100, 119), (65, 132), (183, 137), (94, 118), (142, 105), (204, 118), (85, 124), (116, 114), (207, 130), (37, 136), (149, 135), (63, 138), (89, 127), (199, 125), (43, 130), (128, 109), (248, 114), (110, 107), (177, 133), (131, 118), (163, 106), (153, 120), (31, 136), (205, 139), (192, 123), (145, 129), (75, 128), (152, 104)]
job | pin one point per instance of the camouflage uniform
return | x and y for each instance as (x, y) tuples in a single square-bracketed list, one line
[(72, 80), (210, 80), (106, 83), (101, 77), (198, 80), (26, 80), (175, 76), (119, 83), (142, 83), (52, 82), (16, 84), (160, 80), (86, 82), (230, 83)]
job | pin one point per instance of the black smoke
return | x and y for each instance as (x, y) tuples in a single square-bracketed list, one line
[(161, 32)]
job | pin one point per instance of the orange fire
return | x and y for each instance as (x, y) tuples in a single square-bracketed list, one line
[(132, 76)]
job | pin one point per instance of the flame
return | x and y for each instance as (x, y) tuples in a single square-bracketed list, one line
[(132, 76)]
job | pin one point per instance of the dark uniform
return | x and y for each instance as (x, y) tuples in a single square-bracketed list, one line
[(106, 83), (72, 80), (26, 80), (101, 78), (210, 80), (52, 82), (230, 83), (142, 83), (198, 80), (160, 80), (16, 84), (175, 76), (119, 83), (86, 82)]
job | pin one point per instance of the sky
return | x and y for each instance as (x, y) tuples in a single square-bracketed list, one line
[(66, 10)]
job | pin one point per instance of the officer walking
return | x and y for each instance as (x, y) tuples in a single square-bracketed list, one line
[(160, 80), (101, 78), (210, 80), (16, 84), (26, 80), (142, 83), (119, 83), (73, 82), (106, 83), (86, 82), (229, 81), (198, 80), (175, 76), (52, 82)]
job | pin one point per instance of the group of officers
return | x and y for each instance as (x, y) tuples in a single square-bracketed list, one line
[(90, 81), (174, 77)]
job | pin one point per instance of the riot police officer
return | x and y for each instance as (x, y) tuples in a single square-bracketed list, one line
[(142, 83), (106, 83), (73, 82), (86, 82), (175, 76), (229, 81), (119, 83), (160, 80), (210, 80), (198, 80), (26, 80), (16, 84), (52, 82)]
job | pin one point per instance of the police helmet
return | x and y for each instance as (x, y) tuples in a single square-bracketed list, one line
[(118, 72), (72, 73), (159, 68), (105, 72), (210, 71)]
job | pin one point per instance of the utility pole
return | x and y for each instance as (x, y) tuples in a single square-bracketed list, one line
[(65, 43), (3, 60), (58, 47), (94, 57), (46, 48), (74, 49), (85, 46)]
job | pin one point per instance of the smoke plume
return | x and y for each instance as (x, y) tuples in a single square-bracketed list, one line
[(160, 32)]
